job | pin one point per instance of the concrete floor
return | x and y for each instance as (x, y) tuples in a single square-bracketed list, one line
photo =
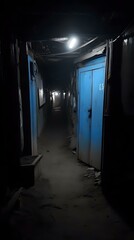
[(65, 203)]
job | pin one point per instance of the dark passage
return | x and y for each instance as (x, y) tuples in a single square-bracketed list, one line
[(67, 201)]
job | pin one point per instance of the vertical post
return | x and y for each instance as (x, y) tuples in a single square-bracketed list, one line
[(24, 81)]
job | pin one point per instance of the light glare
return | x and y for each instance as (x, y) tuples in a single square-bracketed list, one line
[(125, 41), (72, 43)]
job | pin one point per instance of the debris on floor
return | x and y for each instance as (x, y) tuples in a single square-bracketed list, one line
[(89, 172), (95, 174), (97, 178), (74, 151)]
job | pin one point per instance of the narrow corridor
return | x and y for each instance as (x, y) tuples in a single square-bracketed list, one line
[(65, 203)]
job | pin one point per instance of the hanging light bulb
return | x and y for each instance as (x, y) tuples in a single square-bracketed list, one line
[(72, 43)]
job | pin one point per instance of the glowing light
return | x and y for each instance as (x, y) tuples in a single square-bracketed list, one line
[(55, 94), (64, 95), (41, 92), (125, 41), (72, 43)]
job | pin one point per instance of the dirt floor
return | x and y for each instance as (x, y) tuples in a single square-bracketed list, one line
[(67, 201)]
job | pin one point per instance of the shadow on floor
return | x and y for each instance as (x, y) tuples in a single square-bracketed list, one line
[(120, 196)]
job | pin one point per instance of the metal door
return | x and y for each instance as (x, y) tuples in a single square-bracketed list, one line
[(90, 112), (33, 109), (84, 109), (97, 116)]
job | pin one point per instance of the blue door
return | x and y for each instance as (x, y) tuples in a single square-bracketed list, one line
[(33, 109), (97, 116), (90, 111), (84, 98)]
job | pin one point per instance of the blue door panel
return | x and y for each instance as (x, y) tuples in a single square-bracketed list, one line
[(84, 121), (95, 61), (97, 114), (92, 66), (33, 110)]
